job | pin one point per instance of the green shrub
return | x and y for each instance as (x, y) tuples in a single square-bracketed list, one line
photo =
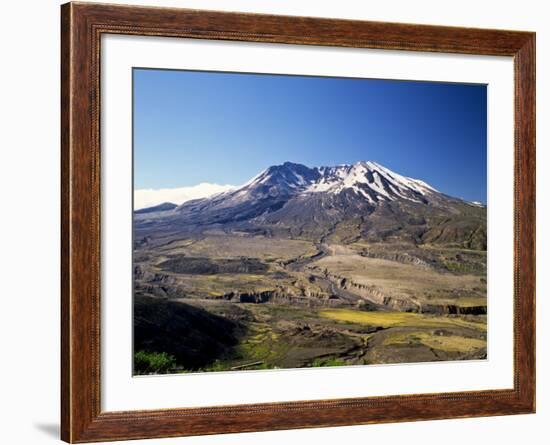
[(328, 362), (146, 362)]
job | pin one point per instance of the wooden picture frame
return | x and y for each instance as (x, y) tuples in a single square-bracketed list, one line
[(82, 25)]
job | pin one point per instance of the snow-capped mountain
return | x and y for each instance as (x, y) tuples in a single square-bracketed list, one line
[(314, 201), (369, 180)]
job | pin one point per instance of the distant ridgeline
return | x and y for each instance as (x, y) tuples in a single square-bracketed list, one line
[(365, 200)]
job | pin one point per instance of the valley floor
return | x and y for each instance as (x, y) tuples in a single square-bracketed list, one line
[(219, 302)]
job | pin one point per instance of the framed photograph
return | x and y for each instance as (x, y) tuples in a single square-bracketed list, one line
[(274, 222)]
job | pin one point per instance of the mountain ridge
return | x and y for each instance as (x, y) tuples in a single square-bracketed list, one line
[(292, 199)]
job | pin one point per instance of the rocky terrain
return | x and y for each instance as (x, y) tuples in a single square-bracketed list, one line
[(325, 266)]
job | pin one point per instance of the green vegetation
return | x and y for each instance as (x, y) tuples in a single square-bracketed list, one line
[(324, 362), (261, 345), (146, 362), (401, 319)]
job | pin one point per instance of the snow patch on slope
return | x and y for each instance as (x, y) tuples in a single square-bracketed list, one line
[(385, 184)]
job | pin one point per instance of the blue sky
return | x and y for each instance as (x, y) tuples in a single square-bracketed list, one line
[(192, 127)]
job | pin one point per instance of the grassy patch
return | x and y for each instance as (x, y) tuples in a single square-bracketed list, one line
[(402, 319), (450, 343), (263, 345), (324, 362)]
